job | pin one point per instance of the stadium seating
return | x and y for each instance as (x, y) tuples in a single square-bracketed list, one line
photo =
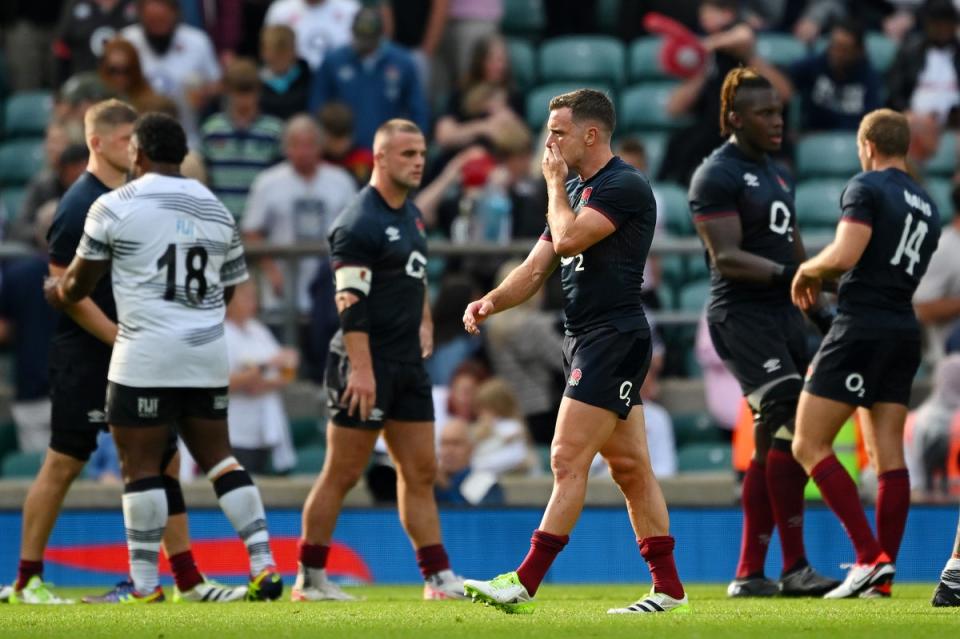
[(12, 197), (705, 458), (309, 460), (643, 107), (780, 49), (19, 160), (539, 98), (881, 50), (673, 208), (695, 428), (940, 191), (599, 59), (21, 465), (828, 154), (818, 204), (8, 438), (26, 114), (656, 147), (693, 296), (523, 62), (523, 17), (644, 60), (305, 432), (944, 162)]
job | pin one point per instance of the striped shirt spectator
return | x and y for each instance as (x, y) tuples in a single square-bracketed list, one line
[(240, 142)]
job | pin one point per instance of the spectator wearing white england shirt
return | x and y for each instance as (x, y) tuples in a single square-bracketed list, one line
[(320, 25), (178, 60)]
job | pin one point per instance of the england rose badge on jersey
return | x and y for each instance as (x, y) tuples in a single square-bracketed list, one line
[(585, 197), (420, 227), (575, 376), (783, 184)]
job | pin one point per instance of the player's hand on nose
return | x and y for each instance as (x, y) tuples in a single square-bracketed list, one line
[(475, 314), (553, 165), (361, 392)]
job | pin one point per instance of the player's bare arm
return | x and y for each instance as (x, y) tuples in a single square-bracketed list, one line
[(723, 236), (572, 233), (88, 315), (516, 288), (361, 391), (834, 260), (76, 283), (426, 329)]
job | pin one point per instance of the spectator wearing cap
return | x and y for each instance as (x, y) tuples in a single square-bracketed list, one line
[(925, 75), (320, 25), (339, 147), (285, 78), (839, 86), (85, 27), (375, 78), (239, 142), (178, 60)]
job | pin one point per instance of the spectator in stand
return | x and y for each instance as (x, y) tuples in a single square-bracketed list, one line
[(937, 298), (722, 390), (27, 324), (78, 94), (894, 17), (418, 26), (296, 201), (27, 32), (468, 22), (839, 86), (177, 59), (456, 401), (928, 437), (523, 347), (452, 345), (240, 142), (85, 27), (729, 43), (632, 151), (104, 463), (375, 78), (457, 482), (501, 441), (46, 187), (484, 102), (657, 423), (285, 77), (925, 75), (122, 75), (336, 122), (222, 20), (259, 369), (320, 25)]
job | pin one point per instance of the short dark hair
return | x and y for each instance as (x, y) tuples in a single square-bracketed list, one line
[(336, 119), (587, 104), (161, 138), (888, 130), (737, 79), (939, 10), (854, 27)]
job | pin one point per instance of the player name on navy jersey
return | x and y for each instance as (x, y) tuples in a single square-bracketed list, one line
[(878, 291), (601, 286), (63, 238), (730, 183), (392, 244)]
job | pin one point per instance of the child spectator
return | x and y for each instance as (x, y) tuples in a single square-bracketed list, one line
[(502, 444)]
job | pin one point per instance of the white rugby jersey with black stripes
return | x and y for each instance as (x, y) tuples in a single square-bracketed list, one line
[(173, 248)]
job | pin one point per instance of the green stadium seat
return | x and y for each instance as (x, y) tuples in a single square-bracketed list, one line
[(543, 454), (941, 192), (305, 432), (673, 208), (8, 438), (12, 198), (644, 107), (705, 458), (693, 296), (656, 147), (539, 98), (309, 460), (608, 15), (523, 62), (828, 155), (20, 160), (695, 428), (644, 59), (26, 114), (21, 465), (583, 59), (944, 161), (818, 204), (523, 17), (881, 50), (780, 49)]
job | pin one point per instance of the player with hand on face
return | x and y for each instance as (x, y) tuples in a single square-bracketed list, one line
[(742, 206), (599, 229), (888, 230)]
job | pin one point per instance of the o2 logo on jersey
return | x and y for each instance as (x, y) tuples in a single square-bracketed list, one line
[(417, 265), (566, 261), (854, 384), (780, 219), (625, 389)]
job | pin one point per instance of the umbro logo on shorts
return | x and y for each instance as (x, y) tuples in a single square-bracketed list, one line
[(220, 402), (97, 417), (148, 407), (376, 415)]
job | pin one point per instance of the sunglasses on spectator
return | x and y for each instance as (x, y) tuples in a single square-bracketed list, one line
[(117, 70)]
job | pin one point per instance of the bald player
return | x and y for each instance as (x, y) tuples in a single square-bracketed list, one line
[(375, 377)]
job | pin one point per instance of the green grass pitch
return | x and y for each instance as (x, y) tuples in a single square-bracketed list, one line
[(563, 611)]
